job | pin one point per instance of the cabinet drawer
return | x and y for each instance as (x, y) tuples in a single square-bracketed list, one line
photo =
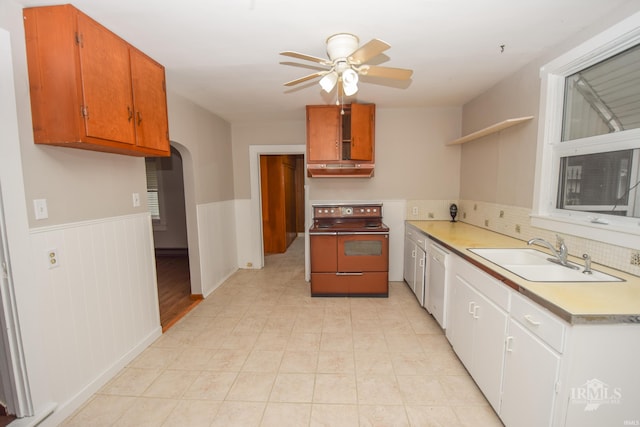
[(491, 288), (538, 321)]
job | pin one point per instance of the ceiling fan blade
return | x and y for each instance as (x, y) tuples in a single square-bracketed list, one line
[(322, 61), (385, 72), (305, 78), (367, 51)]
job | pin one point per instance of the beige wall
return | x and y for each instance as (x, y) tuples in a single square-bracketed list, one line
[(77, 184), (244, 134), (412, 161), (501, 168), (83, 185), (208, 139)]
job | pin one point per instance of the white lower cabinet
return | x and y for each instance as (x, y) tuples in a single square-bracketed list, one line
[(536, 369), (530, 378), (415, 262), (477, 326)]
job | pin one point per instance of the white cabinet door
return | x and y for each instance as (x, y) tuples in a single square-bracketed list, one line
[(488, 347), (421, 262), (476, 330), (461, 326), (409, 261), (529, 385)]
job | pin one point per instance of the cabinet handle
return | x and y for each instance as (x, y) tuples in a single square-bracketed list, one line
[(529, 319), (139, 118), (413, 253), (471, 307), (508, 347), (129, 114), (475, 312), (421, 262)]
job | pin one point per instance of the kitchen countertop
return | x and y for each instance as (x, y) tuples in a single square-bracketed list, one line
[(575, 302)]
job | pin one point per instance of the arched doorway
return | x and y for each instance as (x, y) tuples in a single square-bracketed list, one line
[(168, 206)]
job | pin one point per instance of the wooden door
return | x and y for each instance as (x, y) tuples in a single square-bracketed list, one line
[(362, 128), (323, 134), (106, 83), (150, 102), (289, 182)]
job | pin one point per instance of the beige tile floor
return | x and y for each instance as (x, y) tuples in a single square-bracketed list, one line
[(260, 351)]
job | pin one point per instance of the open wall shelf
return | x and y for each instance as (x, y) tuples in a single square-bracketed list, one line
[(489, 130)]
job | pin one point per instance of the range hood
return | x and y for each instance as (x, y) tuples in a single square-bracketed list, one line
[(340, 170)]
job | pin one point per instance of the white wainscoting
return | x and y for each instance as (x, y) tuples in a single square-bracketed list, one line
[(217, 243), (98, 308)]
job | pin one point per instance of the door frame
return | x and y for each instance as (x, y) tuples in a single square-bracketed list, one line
[(255, 151)]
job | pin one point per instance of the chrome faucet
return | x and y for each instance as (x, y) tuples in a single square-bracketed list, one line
[(560, 253), (587, 264)]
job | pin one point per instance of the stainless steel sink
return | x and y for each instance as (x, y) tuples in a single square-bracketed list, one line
[(534, 265)]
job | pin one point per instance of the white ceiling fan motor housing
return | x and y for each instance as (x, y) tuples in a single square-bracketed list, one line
[(341, 45)]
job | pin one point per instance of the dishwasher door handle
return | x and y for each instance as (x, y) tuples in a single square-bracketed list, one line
[(349, 274)]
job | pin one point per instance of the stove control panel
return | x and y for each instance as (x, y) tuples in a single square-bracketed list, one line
[(351, 211)]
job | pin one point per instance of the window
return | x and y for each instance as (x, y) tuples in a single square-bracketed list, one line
[(154, 192), (587, 177)]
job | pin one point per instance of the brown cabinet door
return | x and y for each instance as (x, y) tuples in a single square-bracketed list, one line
[(362, 128), (323, 134), (150, 102), (106, 83)]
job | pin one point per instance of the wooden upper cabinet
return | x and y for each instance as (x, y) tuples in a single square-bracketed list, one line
[(340, 144), (362, 132), (105, 71), (323, 133), (90, 89), (150, 101)]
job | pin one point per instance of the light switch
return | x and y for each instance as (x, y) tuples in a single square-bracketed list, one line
[(40, 207), (136, 200)]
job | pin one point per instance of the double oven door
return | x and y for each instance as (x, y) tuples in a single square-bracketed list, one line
[(349, 263)]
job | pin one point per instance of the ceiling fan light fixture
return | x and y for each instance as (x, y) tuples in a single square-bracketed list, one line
[(328, 82), (350, 82)]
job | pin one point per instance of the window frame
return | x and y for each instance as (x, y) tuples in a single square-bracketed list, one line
[(621, 231)]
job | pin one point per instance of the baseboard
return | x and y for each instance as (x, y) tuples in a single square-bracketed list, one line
[(66, 409), (172, 252)]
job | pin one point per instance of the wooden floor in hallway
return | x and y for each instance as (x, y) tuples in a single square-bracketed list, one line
[(174, 289)]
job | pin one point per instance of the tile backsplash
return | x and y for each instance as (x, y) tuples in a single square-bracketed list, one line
[(514, 221)]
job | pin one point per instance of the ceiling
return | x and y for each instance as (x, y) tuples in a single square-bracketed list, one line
[(224, 54)]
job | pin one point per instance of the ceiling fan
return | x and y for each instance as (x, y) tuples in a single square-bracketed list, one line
[(346, 61)]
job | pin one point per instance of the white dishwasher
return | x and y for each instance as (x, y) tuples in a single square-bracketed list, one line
[(437, 280)]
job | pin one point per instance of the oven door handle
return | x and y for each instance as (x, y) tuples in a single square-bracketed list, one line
[(349, 274), (323, 233), (360, 233)]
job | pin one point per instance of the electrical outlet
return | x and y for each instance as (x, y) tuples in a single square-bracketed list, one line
[(52, 258), (486, 222), (635, 258), (517, 228), (501, 214), (414, 211), (431, 215)]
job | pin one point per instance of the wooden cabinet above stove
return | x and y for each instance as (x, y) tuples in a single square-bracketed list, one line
[(90, 89), (341, 145)]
